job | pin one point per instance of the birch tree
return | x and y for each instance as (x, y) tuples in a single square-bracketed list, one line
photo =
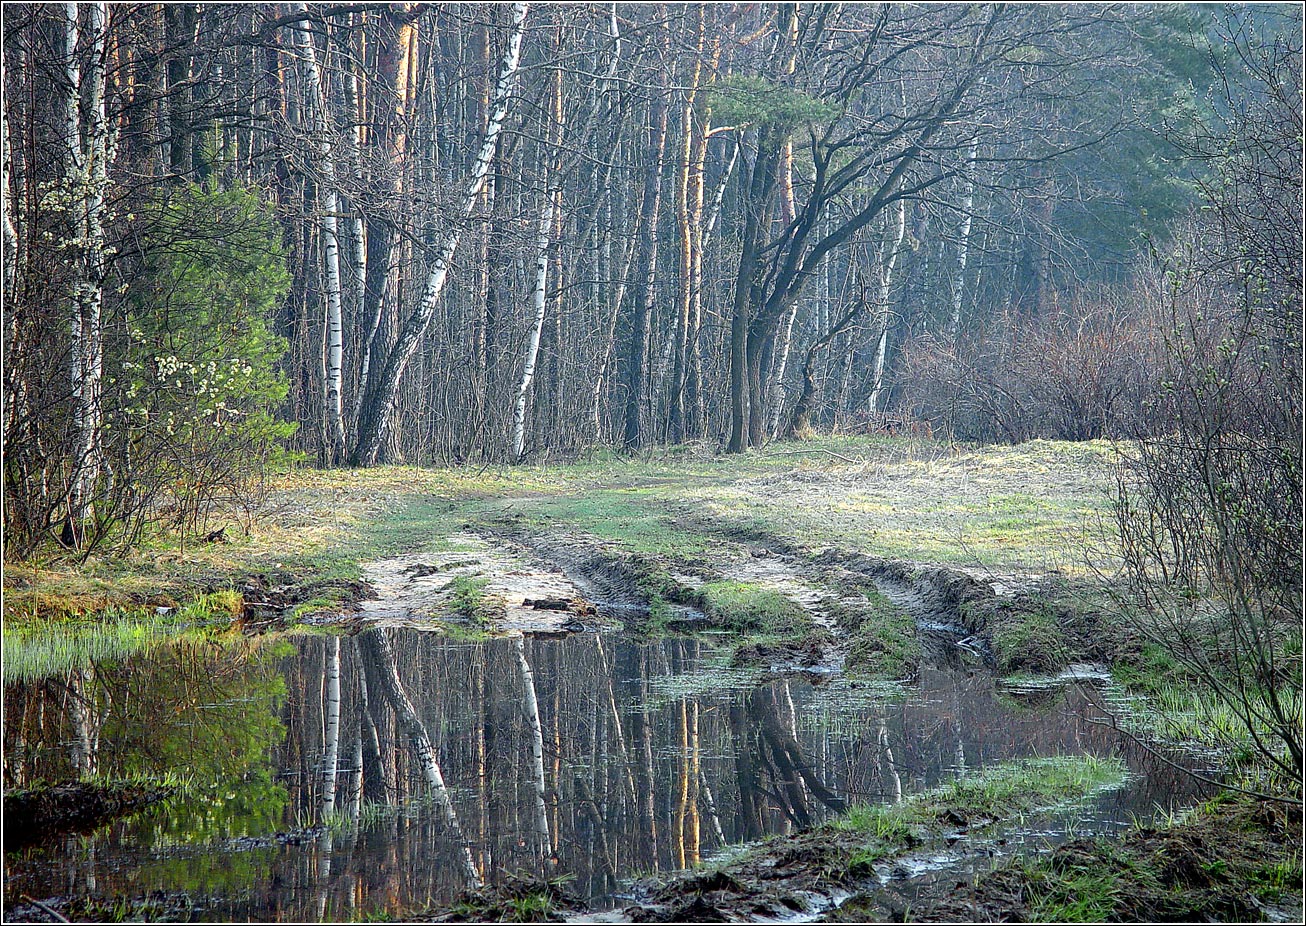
[(379, 406), (86, 180), (888, 260), (329, 199)]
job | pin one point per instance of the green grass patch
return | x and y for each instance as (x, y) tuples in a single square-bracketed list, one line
[(882, 639), (470, 600), (747, 608), (1217, 863), (1003, 791), (40, 649)]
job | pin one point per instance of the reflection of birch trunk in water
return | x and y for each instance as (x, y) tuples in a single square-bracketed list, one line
[(783, 743), (606, 673), (531, 712), (331, 712), (325, 845), (644, 745), (86, 724), (709, 804), (886, 757), (682, 802), (354, 789), (374, 645)]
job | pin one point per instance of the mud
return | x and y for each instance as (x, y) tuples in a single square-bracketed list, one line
[(1207, 868), (270, 600), (38, 815), (519, 900)]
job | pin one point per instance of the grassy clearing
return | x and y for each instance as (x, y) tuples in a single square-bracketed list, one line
[(680, 508)]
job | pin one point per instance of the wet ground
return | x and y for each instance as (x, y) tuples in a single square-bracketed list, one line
[(565, 748)]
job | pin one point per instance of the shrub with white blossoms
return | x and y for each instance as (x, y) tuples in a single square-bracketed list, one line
[(196, 423)]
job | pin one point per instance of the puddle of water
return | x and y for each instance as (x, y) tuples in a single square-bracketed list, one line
[(631, 758)]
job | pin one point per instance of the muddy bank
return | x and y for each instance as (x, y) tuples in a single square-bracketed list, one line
[(814, 872), (37, 815), (1231, 860)]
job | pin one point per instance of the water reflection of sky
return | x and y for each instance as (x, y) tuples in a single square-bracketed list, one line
[(653, 757)]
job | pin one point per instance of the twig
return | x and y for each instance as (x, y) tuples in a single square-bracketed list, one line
[(837, 456), (1113, 722), (58, 917)]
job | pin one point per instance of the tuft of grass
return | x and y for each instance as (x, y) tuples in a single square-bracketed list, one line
[(470, 600), (882, 637), (748, 608), (1003, 791)]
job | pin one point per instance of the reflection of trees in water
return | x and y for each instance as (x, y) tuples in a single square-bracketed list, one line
[(637, 773)]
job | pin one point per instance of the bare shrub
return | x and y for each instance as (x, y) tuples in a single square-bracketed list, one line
[(1077, 373)]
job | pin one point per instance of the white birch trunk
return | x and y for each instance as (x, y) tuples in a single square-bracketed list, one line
[(10, 256), (538, 300), (375, 646), (331, 737), (531, 713), (375, 421), (329, 198), (85, 720), (87, 179), (882, 296), (778, 391), (967, 207)]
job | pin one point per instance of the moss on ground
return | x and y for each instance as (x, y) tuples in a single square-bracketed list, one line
[(881, 636), (1223, 862)]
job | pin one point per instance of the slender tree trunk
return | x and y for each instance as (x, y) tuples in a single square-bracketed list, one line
[(87, 178), (689, 208), (538, 293), (331, 743), (531, 713), (963, 244), (888, 262), (642, 298), (379, 406), (329, 200), (375, 647)]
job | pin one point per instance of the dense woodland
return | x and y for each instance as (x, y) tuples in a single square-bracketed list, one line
[(448, 233)]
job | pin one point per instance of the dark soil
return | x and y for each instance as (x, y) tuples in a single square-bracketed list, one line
[(1211, 867), (37, 815), (782, 655), (269, 600), (519, 900)]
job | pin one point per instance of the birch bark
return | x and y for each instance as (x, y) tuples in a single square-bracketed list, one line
[(379, 407), (967, 209), (375, 647), (87, 178), (329, 199), (887, 264), (538, 293), (531, 713)]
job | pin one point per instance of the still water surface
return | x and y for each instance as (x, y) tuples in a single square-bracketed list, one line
[(651, 757)]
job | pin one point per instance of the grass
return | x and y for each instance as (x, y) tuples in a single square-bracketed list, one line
[(1001, 792), (35, 649), (1007, 507), (747, 608), (882, 636), (1202, 866), (469, 599)]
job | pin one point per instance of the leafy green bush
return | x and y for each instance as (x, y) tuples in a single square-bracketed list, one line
[(197, 382)]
